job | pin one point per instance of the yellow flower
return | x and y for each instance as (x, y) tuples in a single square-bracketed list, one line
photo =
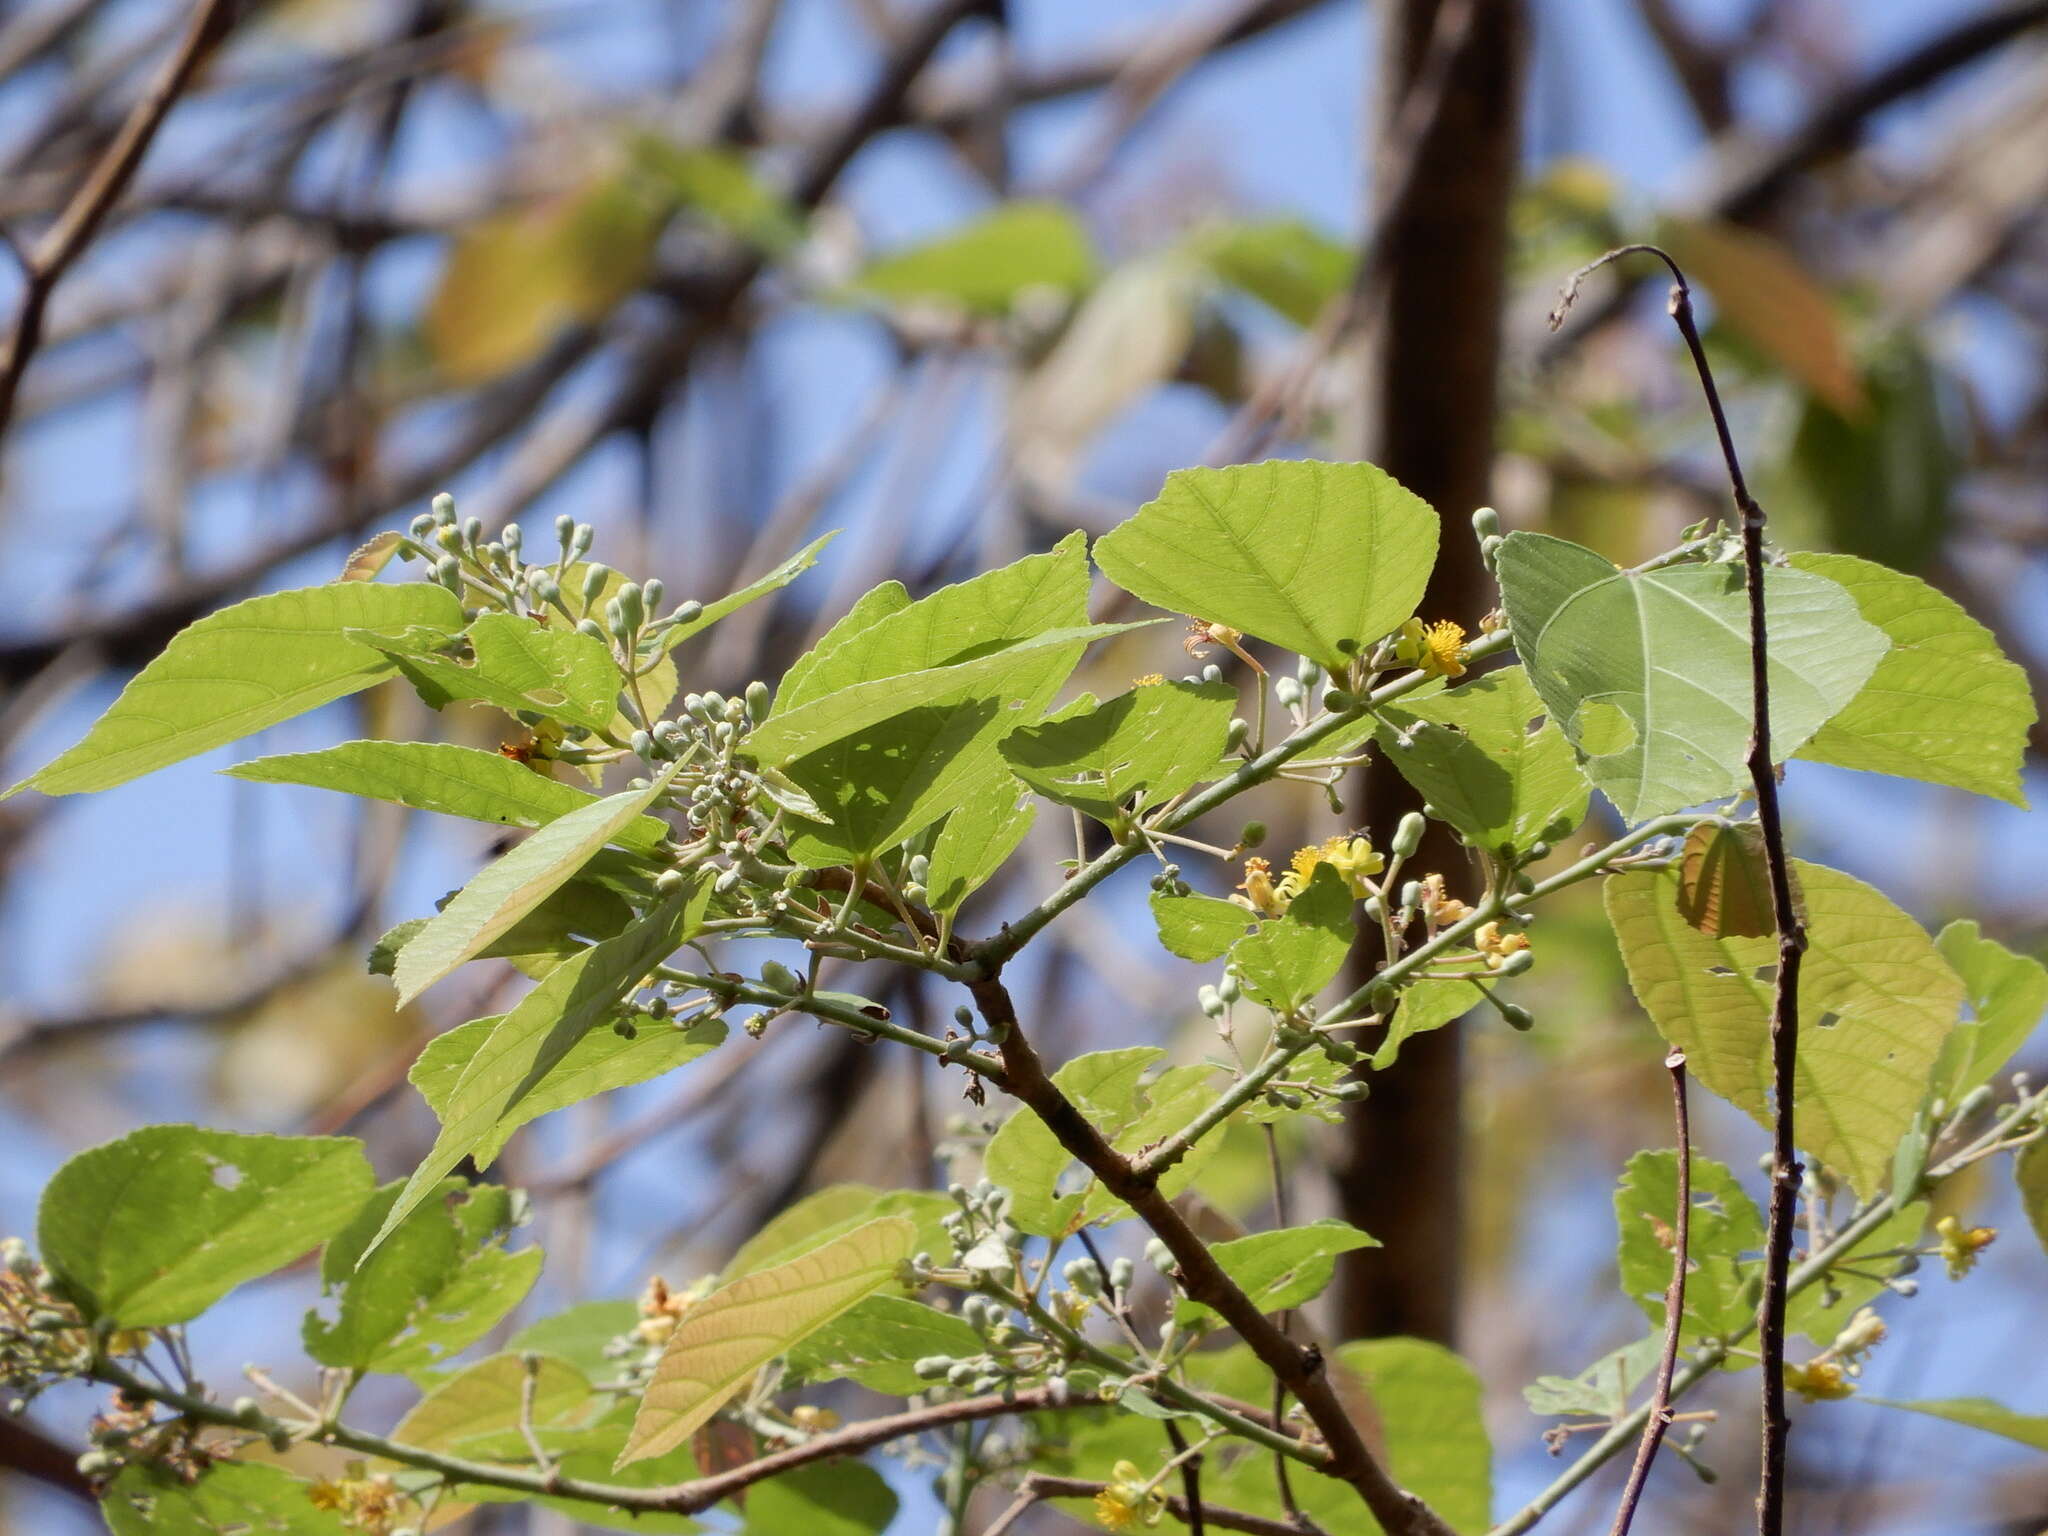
[(1438, 650), (1960, 1246), (1819, 1380), (326, 1493), (1439, 908), (1149, 680), (1497, 946), (1863, 1333), (1202, 634), (1128, 1500), (1261, 895), (816, 1420), (1352, 857)]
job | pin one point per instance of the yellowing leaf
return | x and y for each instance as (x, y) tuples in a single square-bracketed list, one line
[(1724, 884), (729, 1335), (1876, 1004), (1760, 290)]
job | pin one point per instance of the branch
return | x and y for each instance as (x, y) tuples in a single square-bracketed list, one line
[(1299, 1368), (67, 239), (1041, 1485), (1791, 933), (687, 1498), (1659, 1418)]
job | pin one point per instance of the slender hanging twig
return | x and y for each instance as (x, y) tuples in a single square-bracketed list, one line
[(1674, 1307), (1791, 933)]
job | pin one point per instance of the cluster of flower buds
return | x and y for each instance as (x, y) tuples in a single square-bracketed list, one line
[(42, 1338)]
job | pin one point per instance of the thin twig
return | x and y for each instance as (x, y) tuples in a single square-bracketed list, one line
[(66, 240), (1674, 1306), (1791, 933)]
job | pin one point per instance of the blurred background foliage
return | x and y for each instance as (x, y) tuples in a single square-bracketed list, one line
[(958, 278)]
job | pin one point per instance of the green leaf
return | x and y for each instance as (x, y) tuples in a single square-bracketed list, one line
[(434, 776), (720, 185), (1876, 1003), (1978, 1413), (440, 1283), (1945, 704), (1288, 960), (816, 725), (1288, 265), (476, 1414), (231, 1498), (2007, 994), (742, 1325), (1428, 1403), (239, 671), (1720, 1294), (877, 1343), (1140, 748), (977, 836), (1822, 1311), (505, 891), (1602, 1388), (1199, 928), (534, 1039), (156, 1227), (832, 1211), (1111, 1089), (1425, 1005), (753, 591), (872, 606), (1278, 1269), (1323, 559), (833, 1498), (518, 665), (597, 1063), (986, 264), (1471, 752), (1648, 672), (579, 1335)]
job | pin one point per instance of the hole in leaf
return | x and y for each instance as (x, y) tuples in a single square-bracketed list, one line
[(1765, 972), (1535, 726), (1828, 1021), (1719, 970), (227, 1175)]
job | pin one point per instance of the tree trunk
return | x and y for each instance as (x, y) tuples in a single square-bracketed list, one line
[(1428, 421)]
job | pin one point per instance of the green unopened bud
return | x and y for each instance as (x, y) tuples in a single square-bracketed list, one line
[(443, 508), (1375, 909), (1280, 1098), (779, 976), (1382, 997), (726, 883), (642, 744), (932, 1367), (632, 605), (759, 699), (1408, 835), (1343, 1052), (581, 540), (595, 575), (1229, 988), (511, 540), (615, 619), (1539, 850), (1159, 1256), (248, 1411), (1253, 835), (1351, 1090), (1239, 733), (472, 531), (545, 589), (448, 572), (1486, 523), (688, 612), (565, 528), (1121, 1273), (1288, 691), (1411, 895), (1210, 1002), (1516, 963), (1517, 1016), (422, 528), (653, 592), (1337, 701), (591, 628), (1489, 548)]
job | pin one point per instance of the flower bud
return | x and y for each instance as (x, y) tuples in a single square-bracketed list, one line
[(1253, 835), (595, 575), (1229, 988), (1343, 1052), (1382, 997), (687, 612), (1518, 962), (758, 699), (1351, 1090), (1121, 1273), (449, 574), (653, 590), (443, 508), (1486, 523), (1211, 1003), (1337, 701), (545, 589), (565, 528), (1517, 1016), (1159, 1256), (581, 540), (932, 1367), (1239, 733), (1212, 673), (1408, 835), (422, 528), (632, 605), (591, 628), (1288, 691)]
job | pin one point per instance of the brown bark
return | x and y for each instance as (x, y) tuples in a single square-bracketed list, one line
[(1429, 422)]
